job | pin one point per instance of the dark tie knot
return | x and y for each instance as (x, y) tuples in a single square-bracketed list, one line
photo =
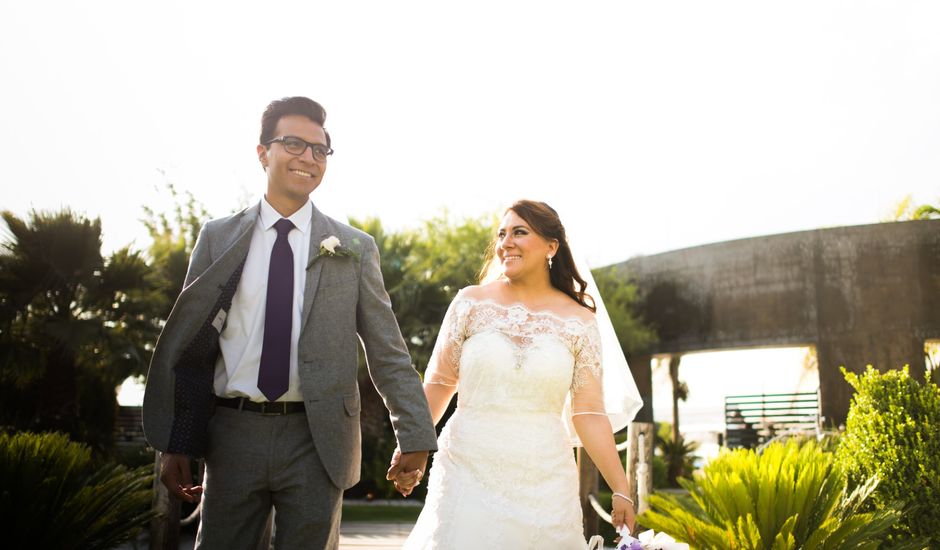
[(283, 226)]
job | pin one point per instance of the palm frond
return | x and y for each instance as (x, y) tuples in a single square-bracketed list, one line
[(56, 496), (790, 495)]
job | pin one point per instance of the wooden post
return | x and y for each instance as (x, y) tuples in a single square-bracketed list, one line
[(640, 463), (588, 484), (165, 528)]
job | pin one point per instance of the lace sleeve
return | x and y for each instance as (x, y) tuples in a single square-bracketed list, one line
[(587, 390), (445, 359)]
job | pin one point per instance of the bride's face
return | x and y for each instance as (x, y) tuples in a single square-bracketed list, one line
[(520, 250)]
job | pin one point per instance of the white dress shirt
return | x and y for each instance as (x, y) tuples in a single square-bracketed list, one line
[(236, 371)]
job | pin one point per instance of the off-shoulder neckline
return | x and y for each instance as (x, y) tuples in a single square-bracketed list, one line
[(545, 312)]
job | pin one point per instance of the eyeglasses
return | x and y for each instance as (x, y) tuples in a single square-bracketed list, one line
[(296, 146)]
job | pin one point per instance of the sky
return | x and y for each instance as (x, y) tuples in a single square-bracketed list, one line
[(649, 126)]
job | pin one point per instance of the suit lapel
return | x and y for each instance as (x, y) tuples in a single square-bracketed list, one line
[(319, 230), (239, 248), (234, 240), (236, 250), (200, 296)]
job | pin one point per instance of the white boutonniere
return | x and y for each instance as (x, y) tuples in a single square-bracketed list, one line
[(328, 246), (331, 246)]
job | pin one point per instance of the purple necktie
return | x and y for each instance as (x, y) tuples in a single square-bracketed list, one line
[(274, 371)]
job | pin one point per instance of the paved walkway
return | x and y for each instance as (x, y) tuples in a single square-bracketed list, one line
[(359, 535), (353, 535)]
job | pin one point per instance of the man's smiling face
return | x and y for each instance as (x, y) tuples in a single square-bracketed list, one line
[(291, 178)]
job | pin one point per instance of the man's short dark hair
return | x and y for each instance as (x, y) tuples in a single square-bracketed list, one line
[(297, 105)]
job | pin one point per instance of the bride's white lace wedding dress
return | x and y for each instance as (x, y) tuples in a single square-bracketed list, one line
[(505, 475)]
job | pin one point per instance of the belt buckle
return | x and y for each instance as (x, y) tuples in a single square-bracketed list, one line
[(265, 405)]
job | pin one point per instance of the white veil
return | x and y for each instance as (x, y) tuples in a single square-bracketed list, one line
[(621, 397)]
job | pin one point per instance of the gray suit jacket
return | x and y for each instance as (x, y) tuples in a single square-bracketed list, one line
[(344, 297)]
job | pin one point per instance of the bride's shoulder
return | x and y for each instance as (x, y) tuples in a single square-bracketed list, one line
[(568, 308), (486, 291)]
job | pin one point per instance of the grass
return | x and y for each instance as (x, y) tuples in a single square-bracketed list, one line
[(380, 513)]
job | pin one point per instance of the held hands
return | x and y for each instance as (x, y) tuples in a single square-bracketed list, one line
[(175, 473), (407, 470)]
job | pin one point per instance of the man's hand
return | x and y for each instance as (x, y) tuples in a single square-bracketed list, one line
[(407, 470), (176, 474)]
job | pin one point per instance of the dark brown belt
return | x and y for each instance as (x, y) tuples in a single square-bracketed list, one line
[(265, 407)]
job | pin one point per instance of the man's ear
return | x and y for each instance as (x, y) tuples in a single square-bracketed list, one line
[(263, 156)]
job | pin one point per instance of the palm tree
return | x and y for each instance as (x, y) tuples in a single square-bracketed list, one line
[(68, 314), (679, 455), (927, 212), (680, 392)]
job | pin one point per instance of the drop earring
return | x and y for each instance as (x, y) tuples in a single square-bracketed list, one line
[(549, 263)]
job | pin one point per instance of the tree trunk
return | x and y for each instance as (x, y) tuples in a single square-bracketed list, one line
[(58, 393), (674, 462), (674, 377)]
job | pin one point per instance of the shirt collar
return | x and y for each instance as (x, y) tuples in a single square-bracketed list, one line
[(301, 218)]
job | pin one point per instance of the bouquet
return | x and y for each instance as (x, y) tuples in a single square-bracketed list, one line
[(648, 540)]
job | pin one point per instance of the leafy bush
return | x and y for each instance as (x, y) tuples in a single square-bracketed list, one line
[(53, 495), (378, 443), (660, 472), (678, 456), (893, 432), (792, 495)]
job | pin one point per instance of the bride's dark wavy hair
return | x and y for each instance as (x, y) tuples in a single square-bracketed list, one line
[(544, 220)]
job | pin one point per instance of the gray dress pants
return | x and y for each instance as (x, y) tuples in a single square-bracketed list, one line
[(257, 461)]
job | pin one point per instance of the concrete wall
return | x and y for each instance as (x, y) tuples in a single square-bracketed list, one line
[(861, 295)]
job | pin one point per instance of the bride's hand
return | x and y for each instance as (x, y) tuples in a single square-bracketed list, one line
[(622, 514), (404, 482)]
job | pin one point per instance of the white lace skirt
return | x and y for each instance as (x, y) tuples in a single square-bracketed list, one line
[(501, 480)]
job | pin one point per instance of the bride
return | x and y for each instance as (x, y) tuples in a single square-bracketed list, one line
[(516, 349)]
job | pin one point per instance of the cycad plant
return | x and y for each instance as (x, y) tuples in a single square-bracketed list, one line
[(791, 495), (54, 495)]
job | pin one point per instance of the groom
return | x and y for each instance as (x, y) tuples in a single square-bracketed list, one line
[(255, 369)]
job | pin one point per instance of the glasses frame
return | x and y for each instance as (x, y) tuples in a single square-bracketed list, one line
[(314, 147)]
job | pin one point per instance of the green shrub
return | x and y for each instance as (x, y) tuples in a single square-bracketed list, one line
[(893, 432), (792, 495), (660, 473), (679, 456), (53, 495)]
